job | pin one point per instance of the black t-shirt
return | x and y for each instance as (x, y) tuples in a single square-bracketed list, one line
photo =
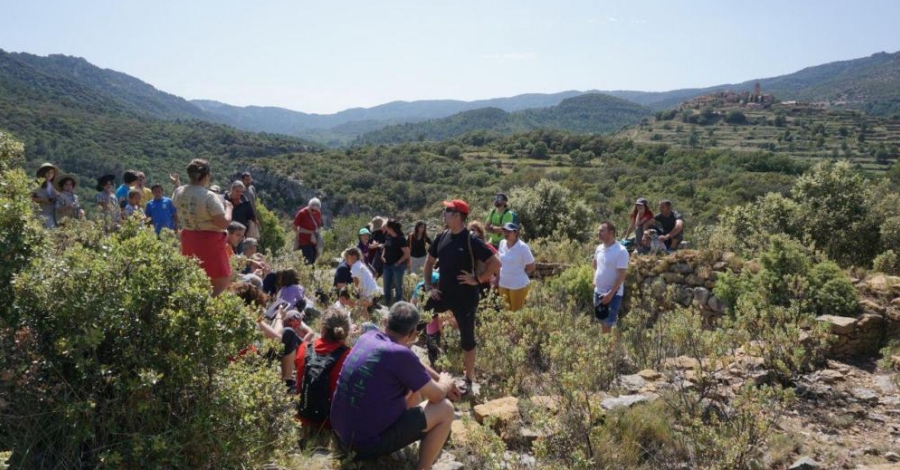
[(290, 341), (243, 211), (454, 256), (342, 274), (393, 249), (417, 246), (667, 224)]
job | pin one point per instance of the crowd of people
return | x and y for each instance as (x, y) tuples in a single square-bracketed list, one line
[(363, 381)]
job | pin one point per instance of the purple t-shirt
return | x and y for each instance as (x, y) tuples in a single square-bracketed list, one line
[(372, 388)]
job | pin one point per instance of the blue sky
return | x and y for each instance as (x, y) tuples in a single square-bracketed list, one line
[(326, 56)]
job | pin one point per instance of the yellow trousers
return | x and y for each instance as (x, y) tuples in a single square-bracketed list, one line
[(515, 298)]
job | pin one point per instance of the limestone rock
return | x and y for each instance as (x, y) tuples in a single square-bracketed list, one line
[(682, 362), (839, 325), (716, 304), (701, 296), (549, 403), (681, 268), (632, 383), (830, 376), (869, 305), (626, 401), (896, 361), (805, 463), (649, 374), (864, 395), (503, 410), (461, 431), (892, 457), (885, 383)]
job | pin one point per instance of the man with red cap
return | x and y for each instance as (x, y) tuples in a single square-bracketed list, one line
[(457, 288)]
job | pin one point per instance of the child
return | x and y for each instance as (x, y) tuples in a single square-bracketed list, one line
[(67, 206), (134, 202), (290, 290), (363, 278)]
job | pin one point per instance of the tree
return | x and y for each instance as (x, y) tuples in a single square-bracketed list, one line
[(549, 209), (540, 150), (454, 152), (736, 117)]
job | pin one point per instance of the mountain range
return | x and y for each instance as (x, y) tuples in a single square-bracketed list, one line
[(871, 84)]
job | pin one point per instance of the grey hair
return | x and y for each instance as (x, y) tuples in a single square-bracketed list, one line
[(403, 318), (315, 202), (238, 184)]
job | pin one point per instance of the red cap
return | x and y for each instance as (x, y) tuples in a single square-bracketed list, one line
[(458, 205)]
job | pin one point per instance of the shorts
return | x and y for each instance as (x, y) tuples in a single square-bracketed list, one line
[(614, 306), (464, 311), (409, 428), (209, 248)]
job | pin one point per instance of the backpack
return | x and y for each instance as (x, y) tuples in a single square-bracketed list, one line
[(515, 216), (476, 266), (315, 403)]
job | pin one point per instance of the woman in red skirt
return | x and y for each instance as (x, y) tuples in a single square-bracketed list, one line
[(204, 216)]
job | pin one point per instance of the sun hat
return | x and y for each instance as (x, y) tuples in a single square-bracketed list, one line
[(43, 169), (377, 222), (62, 179)]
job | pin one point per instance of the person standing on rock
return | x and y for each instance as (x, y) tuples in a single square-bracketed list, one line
[(458, 287), (307, 227), (378, 406), (610, 266)]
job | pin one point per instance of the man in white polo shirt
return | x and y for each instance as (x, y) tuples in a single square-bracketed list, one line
[(610, 265)]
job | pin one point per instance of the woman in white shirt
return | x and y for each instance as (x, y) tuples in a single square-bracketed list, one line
[(363, 279), (516, 263)]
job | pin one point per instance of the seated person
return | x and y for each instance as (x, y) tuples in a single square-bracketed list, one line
[(363, 278), (290, 329), (377, 408), (670, 224), (234, 241), (318, 368), (256, 264), (342, 276)]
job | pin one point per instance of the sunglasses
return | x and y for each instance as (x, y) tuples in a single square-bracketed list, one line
[(451, 211)]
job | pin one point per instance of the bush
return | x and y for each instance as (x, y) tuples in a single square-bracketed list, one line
[(120, 360), (273, 236), (549, 209), (888, 263)]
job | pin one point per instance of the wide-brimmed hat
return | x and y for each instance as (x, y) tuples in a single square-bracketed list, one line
[(101, 181), (43, 169), (62, 179), (377, 223)]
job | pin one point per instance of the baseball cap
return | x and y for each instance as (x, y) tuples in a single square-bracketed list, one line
[(641, 201), (511, 227), (501, 196), (458, 205), (364, 231)]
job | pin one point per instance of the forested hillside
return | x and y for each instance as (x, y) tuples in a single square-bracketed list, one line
[(591, 113)]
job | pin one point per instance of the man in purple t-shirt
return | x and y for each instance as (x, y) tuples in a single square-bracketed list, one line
[(378, 406)]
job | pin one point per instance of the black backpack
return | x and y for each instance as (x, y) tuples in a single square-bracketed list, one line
[(315, 402)]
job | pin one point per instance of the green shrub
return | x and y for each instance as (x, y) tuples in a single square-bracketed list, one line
[(120, 360), (550, 209), (274, 238), (888, 263), (575, 286)]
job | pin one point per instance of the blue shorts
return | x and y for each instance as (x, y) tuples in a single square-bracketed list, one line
[(614, 306)]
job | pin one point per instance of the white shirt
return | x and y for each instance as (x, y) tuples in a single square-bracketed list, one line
[(609, 261), (512, 265), (367, 285)]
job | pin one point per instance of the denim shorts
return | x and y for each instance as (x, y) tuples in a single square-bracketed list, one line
[(614, 306)]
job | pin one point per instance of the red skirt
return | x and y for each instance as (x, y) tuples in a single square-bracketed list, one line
[(209, 248)]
